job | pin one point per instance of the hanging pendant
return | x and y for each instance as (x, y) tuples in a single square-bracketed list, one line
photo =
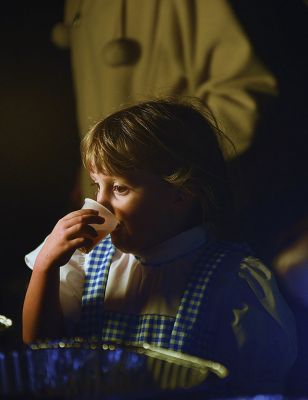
[(121, 52)]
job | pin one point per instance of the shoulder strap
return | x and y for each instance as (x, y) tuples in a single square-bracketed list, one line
[(97, 269), (193, 318)]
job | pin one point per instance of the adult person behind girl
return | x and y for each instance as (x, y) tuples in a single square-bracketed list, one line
[(164, 276), (175, 48)]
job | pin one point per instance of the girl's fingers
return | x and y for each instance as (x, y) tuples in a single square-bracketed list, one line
[(83, 220), (77, 213), (81, 231), (81, 242)]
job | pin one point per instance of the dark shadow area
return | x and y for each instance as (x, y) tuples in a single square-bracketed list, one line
[(275, 169), (39, 141)]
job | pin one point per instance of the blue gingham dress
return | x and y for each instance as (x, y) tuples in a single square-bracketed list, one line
[(186, 332)]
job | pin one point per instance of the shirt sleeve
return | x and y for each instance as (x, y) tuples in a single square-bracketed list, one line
[(256, 337), (72, 277), (229, 77)]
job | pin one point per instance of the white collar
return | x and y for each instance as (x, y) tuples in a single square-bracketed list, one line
[(181, 245)]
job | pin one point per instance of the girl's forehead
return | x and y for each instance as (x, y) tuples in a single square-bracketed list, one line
[(138, 177)]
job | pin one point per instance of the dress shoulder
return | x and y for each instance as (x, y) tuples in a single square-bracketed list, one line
[(256, 335)]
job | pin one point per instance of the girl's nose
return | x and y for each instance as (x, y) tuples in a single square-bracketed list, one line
[(103, 199)]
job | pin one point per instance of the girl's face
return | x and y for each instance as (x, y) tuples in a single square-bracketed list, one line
[(149, 209)]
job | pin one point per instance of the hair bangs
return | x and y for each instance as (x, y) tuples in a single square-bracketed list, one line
[(106, 149)]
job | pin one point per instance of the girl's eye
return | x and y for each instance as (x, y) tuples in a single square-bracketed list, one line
[(119, 189)]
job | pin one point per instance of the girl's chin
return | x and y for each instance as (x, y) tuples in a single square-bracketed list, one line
[(122, 242), (119, 241)]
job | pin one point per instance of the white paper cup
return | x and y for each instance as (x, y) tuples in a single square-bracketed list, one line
[(102, 230)]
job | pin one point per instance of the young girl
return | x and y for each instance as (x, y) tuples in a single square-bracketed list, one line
[(163, 276)]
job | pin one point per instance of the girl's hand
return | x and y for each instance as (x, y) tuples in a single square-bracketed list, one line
[(70, 233)]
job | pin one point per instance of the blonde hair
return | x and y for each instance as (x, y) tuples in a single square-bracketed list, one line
[(176, 140)]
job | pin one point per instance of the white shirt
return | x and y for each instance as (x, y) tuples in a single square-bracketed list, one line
[(153, 283)]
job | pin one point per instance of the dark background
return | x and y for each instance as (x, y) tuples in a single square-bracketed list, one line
[(39, 140), (40, 146)]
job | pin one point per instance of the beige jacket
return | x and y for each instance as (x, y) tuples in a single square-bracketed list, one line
[(188, 47)]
